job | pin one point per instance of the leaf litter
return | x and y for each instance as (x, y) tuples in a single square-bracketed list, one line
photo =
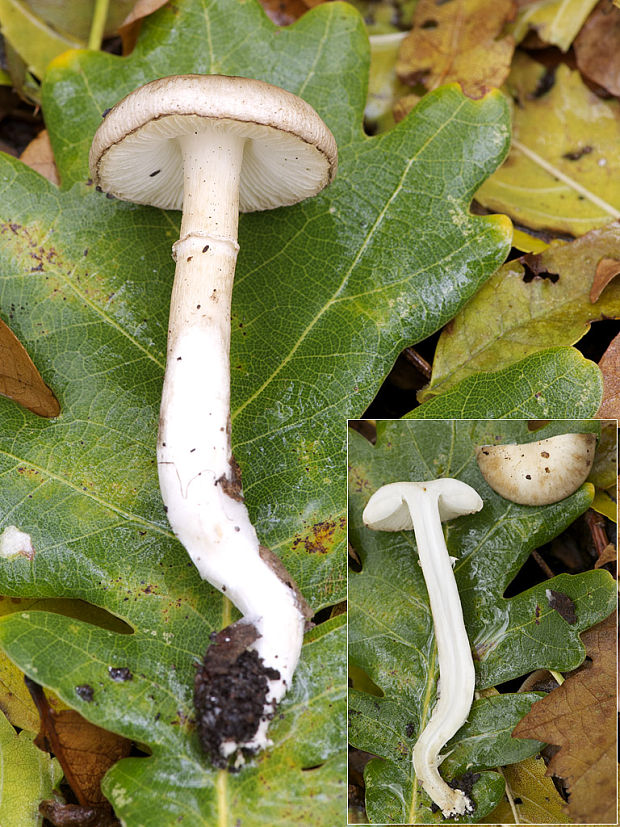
[(580, 718), (458, 41)]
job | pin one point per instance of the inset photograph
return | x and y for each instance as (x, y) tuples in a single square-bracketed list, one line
[(482, 621)]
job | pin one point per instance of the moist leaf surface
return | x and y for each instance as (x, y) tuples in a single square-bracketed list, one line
[(530, 304), (552, 383)]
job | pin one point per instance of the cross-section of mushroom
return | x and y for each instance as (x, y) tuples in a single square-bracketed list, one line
[(421, 506), (216, 145), (541, 472)]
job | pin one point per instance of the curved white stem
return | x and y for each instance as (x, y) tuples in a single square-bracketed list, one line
[(197, 474), (456, 667)]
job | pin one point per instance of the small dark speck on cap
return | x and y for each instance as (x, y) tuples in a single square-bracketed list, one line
[(105, 111), (153, 174), (205, 248), (528, 476)]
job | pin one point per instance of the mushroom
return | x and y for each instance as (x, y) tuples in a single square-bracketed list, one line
[(216, 145), (421, 506), (538, 473)]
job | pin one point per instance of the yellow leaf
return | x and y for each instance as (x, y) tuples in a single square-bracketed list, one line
[(384, 88), (527, 243), (37, 43), (558, 176), (531, 303), (535, 799), (605, 505), (554, 21), (459, 41)]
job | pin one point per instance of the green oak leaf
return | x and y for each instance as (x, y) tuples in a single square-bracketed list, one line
[(390, 626), (552, 383), (327, 293), (517, 313), (27, 777)]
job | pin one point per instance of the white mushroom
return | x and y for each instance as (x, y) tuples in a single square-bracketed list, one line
[(538, 473), (215, 145), (421, 506)]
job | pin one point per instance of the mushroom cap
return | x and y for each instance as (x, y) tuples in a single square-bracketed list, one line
[(290, 154), (388, 509), (538, 473)]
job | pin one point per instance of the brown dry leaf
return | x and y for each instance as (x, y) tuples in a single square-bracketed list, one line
[(85, 751), (39, 156), (285, 12), (458, 41), (607, 555), (19, 378), (580, 718), (596, 47), (74, 815), (606, 270), (610, 368), (131, 25)]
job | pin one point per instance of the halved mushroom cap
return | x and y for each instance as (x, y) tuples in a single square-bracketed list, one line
[(290, 153), (388, 510), (538, 473)]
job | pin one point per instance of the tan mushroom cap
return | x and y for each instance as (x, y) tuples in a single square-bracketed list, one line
[(538, 473), (290, 153)]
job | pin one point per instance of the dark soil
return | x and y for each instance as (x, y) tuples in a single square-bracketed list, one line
[(230, 691)]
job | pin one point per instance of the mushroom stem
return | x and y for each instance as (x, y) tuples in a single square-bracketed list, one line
[(456, 666), (194, 450), (422, 506), (244, 145), (198, 477)]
